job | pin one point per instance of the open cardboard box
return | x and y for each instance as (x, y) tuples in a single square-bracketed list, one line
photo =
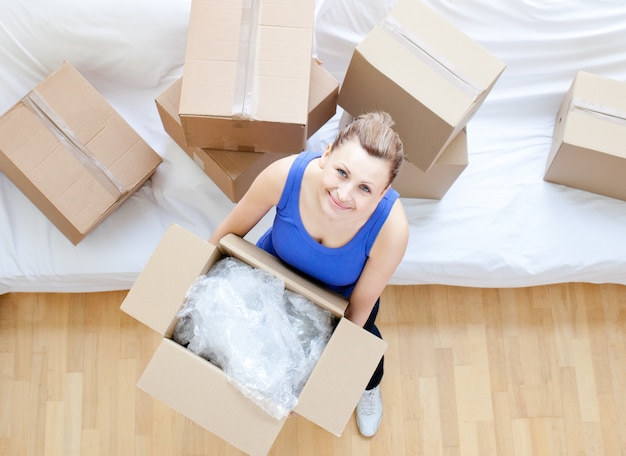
[(66, 148), (589, 141), (199, 390), (247, 69), (234, 171), (425, 72)]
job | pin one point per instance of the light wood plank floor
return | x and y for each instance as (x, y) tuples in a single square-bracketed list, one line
[(532, 371)]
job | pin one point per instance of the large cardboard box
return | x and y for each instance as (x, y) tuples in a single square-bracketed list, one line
[(247, 69), (71, 153), (589, 142), (234, 171), (199, 390), (425, 72)]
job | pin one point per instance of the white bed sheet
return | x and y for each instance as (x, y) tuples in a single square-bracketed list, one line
[(500, 225)]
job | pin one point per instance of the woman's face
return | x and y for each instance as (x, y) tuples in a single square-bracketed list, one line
[(353, 182)]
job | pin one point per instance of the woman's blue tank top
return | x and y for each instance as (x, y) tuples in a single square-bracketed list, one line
[(336, 268)]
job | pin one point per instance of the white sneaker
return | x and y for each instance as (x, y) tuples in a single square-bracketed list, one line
[(369, 412)]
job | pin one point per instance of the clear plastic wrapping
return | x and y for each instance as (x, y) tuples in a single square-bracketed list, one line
[(266, 339)]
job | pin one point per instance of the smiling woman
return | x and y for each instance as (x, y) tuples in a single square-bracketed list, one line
[(338, 221)]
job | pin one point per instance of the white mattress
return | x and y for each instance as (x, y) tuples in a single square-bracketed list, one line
[(500, 225)]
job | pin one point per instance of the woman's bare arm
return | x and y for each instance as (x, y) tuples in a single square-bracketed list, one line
[(263, 194), (385, 256)]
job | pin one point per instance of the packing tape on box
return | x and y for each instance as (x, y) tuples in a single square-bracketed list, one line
[(57, 126), (596, 110), (410, 41), (244, 83)]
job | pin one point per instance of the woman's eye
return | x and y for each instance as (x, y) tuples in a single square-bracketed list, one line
[(341, 172), (365, 188)]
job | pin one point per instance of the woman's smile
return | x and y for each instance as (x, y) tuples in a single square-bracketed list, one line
[(337, 203)]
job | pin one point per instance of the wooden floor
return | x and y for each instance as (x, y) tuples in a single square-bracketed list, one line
[(534, 371)]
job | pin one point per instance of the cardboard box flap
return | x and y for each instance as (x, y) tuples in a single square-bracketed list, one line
[(340, 377), (197, 389), (160, 289), (256, 257)]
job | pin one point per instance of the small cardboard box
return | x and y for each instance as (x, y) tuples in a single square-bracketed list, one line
[(199, 390), (425, 72), (412, 182), (71, 153), (589, 142), (247, 71), (234, 171)]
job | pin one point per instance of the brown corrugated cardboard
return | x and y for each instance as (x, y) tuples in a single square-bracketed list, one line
[(247, 69), (199, 390), (71, 154), (234, 171), (589, 142), (425, 72), (323, 94)]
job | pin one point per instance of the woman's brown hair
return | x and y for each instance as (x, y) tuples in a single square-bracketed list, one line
[(374, 132)]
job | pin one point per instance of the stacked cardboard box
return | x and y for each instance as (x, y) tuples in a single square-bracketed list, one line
[(234, 171), (201, 391), (251, 93), (589, 142), (426, 73), (71, 154), (247, 75)]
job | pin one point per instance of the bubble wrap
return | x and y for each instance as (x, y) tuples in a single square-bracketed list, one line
[(266, 339)]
